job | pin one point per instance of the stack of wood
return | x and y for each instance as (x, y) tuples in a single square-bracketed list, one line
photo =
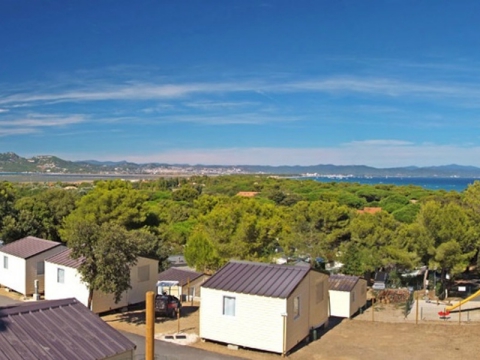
[(393, 296)]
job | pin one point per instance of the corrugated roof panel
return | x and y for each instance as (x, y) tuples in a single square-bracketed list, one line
[(28, 247), (57, 329), (342, 282), (257, 278), (63, 258)]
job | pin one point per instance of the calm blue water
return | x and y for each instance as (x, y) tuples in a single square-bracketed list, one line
[(448, 184)]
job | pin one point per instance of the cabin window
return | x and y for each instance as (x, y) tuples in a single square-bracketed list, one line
[(5, 262), (353, 296), (296, 307), (60, 276), (364, 289), (143, 273), (320, 290), (229, 306), (40, 268)]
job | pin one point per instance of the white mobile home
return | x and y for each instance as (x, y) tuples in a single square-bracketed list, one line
[(181, 283), (62, 280), (22, 262), (263, 306), (347, 295)]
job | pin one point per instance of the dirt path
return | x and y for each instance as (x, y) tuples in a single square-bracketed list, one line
[(345, 339)]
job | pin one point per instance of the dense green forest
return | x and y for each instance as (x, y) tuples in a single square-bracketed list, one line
[(205, 219)]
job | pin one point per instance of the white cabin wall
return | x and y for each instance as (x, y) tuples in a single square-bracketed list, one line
[(258, 321), (13, 277), (340, 303), (298, 327), (72, 286)]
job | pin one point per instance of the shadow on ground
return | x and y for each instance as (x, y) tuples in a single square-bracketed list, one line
[(317, 334), (136, 315)]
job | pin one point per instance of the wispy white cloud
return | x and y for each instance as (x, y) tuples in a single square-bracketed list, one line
[(43, 120), (230, 119), (383, 87), (33, 123), (16, 131), (214, 105), (378, 143), (3, 110)]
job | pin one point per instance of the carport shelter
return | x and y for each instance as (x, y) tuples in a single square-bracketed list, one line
[(181, 283), (59, 329), (347, 295), (263, 306)]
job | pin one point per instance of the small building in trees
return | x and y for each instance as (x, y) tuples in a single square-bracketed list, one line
[(177, 261), (369, 210), (59, 329), (347, 295), (22, 262), (263, 306), (182, 283), (63, 280), (248, 194)]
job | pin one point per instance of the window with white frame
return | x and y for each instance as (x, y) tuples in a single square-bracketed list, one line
[(5, 262), (229, 305), (40, 268), (296, 307), (60, 275)]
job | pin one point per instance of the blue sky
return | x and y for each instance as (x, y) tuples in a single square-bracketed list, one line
[(261, 82)]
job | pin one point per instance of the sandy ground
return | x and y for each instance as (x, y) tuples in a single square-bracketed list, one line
[(390, 336)]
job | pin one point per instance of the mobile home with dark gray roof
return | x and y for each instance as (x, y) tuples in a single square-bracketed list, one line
[(23, 261), (347, 295), (263, 306), (63, 280)]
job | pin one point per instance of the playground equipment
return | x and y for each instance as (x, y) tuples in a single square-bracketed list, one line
[(451, 307)]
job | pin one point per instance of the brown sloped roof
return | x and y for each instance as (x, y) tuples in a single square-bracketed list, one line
[(63, 258), (57, 329), (370, 210), (180, 275), (28, 247), (257, 279), (247, 193), (342, 282)]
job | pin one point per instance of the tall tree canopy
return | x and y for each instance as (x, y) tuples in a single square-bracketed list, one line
[(107, 252)]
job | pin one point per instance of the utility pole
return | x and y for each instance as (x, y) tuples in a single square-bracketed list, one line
[(150, 326)]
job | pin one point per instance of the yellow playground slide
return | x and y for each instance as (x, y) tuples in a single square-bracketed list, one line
[(473, 296)]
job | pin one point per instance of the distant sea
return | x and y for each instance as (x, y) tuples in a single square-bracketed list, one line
[(39, 177), (431, 183)]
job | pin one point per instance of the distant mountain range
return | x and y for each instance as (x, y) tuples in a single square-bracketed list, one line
[(11, 162)]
